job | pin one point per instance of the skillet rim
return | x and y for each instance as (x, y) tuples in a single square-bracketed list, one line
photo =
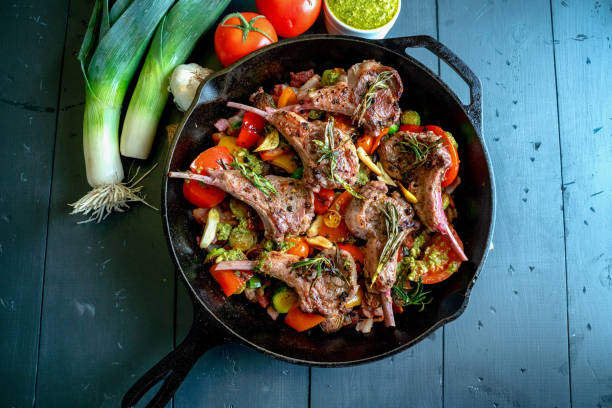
[(230, 335)]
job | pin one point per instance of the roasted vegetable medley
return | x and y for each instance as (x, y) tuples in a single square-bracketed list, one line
[(324, 202)]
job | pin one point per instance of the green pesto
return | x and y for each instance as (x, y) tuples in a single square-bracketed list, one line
[(242, 238), (223, 231), (364, 14), (222, 254), (363, 175), (250, 159)]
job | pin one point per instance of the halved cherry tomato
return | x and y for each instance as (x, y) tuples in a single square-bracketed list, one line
[(230, 281), (240, 34), (411, 128), (439, 248), (301, 321), (290, 18), (322, 200), (453, 170), (287, 97), (252, 126), (377, 140), (301, 247), (198, 193), (342, 122), (356, 253), (366, 143), (338, 234)]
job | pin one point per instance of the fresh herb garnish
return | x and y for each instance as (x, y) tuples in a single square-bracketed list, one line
[(414, 297), (420, 149), (328, 151), (257, 180), (379, 83), (394, 237)]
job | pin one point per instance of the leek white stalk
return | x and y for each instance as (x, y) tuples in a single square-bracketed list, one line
[(107, 74), (173, 42)]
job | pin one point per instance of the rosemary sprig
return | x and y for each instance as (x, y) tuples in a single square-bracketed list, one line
[(379, 83), (328, 151), (257, 180), (414, 297), (420, 149), (394, 237)]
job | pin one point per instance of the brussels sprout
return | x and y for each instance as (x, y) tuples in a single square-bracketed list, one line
[(410, 118)]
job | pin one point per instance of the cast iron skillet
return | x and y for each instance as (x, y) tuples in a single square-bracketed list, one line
[(217, 320)]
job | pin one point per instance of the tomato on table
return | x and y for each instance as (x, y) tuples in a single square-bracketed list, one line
[(198, 193), (323, 200), (453, 170), (240, 34), (301, 321), (290, 17), (252, 127), (439, 261)]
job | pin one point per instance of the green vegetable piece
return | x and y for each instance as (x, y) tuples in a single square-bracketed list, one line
[(223, 231), (253, 283), (269, 245), (222, 254), (393, 128), (315, 114), (363, 175), (242, 238), (445, 201), (297, 174), (271, 140), (239, 210), (286, 245), (452, 139), (283, 299), (410, 118), (329, 77)]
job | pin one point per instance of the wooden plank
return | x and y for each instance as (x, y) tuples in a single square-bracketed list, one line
[(395, 381), (231, 375), (32, 46), (509, 349), (109, 287), (583, 50)]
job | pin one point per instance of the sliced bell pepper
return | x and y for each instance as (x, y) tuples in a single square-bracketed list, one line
[(230, 282), (411, 128), (378, 139), (252, 127), (453, 170), (287, 97), (365, 142), (300, 321), (286, 162)]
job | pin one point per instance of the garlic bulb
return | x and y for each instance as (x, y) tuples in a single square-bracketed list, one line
[(184, 83)]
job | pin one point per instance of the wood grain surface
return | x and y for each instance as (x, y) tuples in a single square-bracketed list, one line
[(86, 309)]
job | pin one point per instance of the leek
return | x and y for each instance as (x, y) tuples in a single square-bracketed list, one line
[(173, 42), (107, 74)]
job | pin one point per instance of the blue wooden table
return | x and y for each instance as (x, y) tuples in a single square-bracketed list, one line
[(86, 309)]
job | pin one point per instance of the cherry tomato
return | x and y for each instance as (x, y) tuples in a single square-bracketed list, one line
[(290, 17), (252, 126), (442, 259), (322, 200), (300, 248), (411, 128), (451, 173), (198, 193), (240, 34)]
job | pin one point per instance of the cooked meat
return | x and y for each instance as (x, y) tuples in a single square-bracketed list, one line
[(345, 97), (424, 179), (308, 86), (366, 220), (325, 294), (300, 78), (302, 134), (289, 212), (262, 100)]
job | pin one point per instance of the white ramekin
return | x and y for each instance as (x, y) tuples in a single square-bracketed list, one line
[(335, 26)]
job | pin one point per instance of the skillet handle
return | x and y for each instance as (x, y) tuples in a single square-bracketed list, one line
[(173, 368), (474, 109)]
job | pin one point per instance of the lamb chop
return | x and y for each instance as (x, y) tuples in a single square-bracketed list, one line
[(325, 293), (310, 140), (384, 221), (289, 211), (423, 175), (370, 96)]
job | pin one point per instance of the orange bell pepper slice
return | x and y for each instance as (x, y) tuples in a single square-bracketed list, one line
[(300, 321), (229, 281), (287, 97)]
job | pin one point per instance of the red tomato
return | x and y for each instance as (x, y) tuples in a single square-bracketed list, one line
[(252, 126), (301, 247), (198, 193), (290, 17), (411, 128), (356, 253), (240, 34), (322, 200), (452, 171), (440, 248)]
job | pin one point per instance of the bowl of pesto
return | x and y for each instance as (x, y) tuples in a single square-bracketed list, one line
[(361, 18)]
